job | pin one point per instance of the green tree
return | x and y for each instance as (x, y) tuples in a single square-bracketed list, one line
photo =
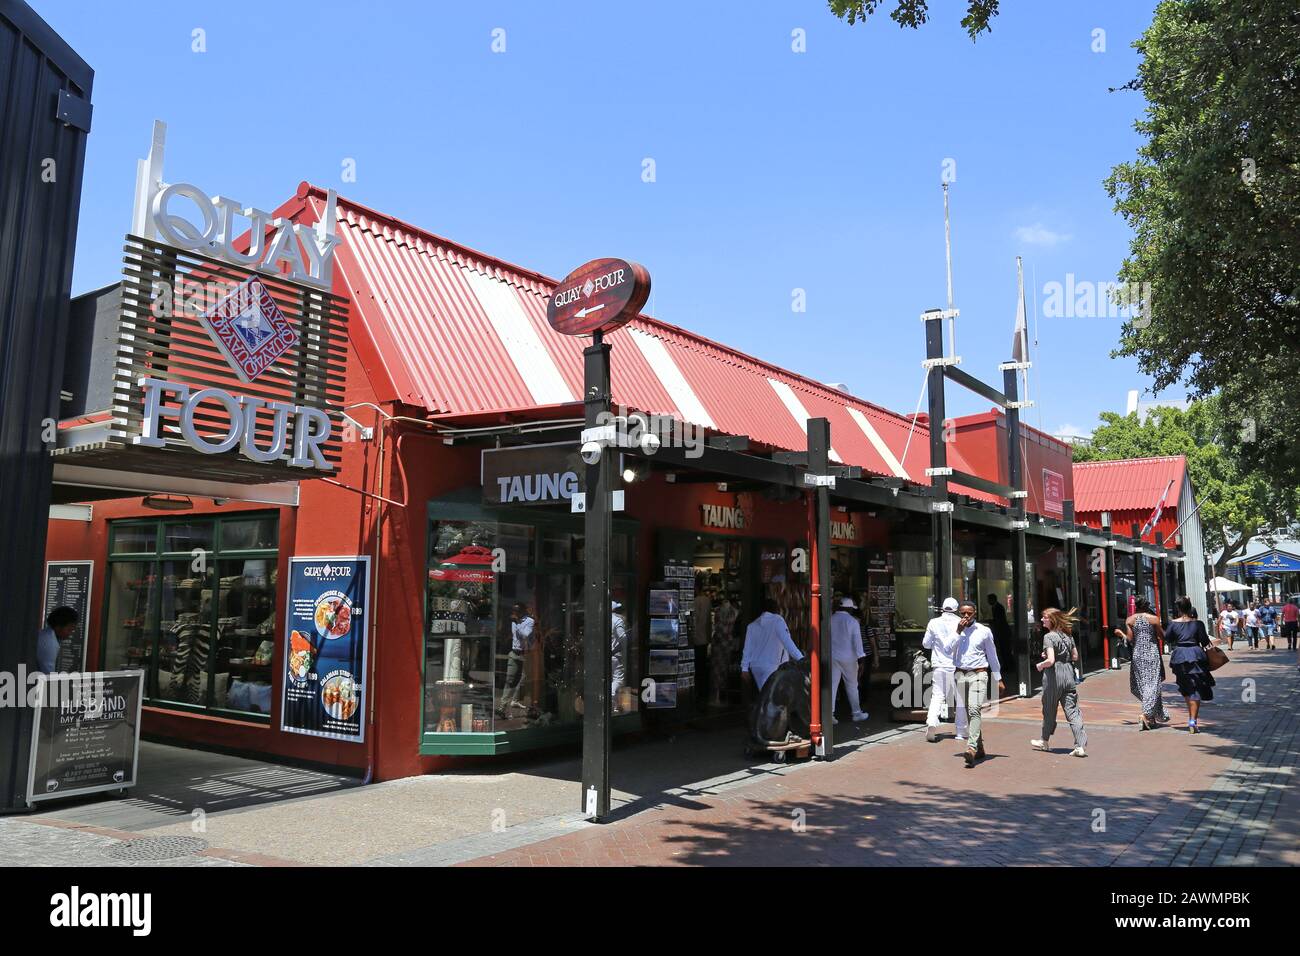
[(1213, 198), (1239, 498), (913, 13)]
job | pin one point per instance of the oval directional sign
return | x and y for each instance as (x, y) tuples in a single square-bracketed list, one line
[(598, 296)]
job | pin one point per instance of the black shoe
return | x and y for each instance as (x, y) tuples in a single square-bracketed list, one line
[(979, 751)]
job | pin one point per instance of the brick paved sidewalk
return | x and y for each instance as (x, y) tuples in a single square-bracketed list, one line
[(1157, 798)]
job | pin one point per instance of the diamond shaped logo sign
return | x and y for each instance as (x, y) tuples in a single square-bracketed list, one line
[(250, 329)]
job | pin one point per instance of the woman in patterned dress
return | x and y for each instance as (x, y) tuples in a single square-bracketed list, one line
[(1147, 670)]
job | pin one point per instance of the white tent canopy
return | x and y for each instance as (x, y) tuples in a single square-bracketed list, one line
[(1220, 585)]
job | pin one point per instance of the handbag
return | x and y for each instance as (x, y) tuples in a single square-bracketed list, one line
[(1216, 657)]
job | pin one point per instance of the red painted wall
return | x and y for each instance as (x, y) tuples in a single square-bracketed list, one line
[(982, 441)]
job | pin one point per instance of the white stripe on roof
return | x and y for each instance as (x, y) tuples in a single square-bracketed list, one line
[(796, 409), (521, 341), (877, 442), (671, 377)]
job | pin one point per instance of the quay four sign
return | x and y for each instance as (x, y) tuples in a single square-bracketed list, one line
[(599, 296)]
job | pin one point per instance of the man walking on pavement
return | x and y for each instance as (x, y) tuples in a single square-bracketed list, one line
[(975, 658), (941, 639), (846, 657)]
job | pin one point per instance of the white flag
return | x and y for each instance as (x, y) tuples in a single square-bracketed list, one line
[(1020, 339)]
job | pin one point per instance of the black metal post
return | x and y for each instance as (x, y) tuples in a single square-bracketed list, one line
[(819, 445), (1139, 572), (1019, 549), (596, 663), (1111, 597), (1073, 589), (941, 516)]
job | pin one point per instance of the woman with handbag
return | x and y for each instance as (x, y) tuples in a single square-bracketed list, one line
[(1147, 670), (1190, 660)]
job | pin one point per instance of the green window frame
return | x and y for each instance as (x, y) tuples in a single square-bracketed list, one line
[(144, 541)]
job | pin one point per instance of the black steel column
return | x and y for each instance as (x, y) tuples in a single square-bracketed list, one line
[(1111, 596), (940, 520), (1139, 572), (46, 118), (596, 664), (1019, 550), (819, 445), (1072, 584)]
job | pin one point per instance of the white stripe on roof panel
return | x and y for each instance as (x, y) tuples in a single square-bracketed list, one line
[(797, 411), (521, 341), (671, 377), (877, 442)]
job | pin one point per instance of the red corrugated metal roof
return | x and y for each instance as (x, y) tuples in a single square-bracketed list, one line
[(459, 332), (1131, 485)]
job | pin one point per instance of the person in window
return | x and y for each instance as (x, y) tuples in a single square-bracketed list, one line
[(522, 626), (618, 652), (768, 645), (59, 626)]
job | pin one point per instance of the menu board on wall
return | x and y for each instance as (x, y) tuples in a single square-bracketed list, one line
[(325, 647), (85, 734), (882, 617), (67, 584)]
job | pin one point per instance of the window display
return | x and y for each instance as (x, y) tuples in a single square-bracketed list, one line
[(198, 615), (503, 638)]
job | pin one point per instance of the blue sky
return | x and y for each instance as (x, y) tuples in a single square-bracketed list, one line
[(774, 170)]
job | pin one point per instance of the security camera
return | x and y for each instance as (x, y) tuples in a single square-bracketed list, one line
[(591, 452), (650, 443)]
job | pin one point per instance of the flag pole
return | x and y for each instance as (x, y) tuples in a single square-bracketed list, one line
[(947, 250)]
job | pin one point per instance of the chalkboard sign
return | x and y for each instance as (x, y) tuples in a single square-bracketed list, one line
[(86, 734), (67, 584)]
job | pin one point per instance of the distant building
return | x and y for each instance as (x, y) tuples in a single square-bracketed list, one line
[(1143, 409), (1126, 492)]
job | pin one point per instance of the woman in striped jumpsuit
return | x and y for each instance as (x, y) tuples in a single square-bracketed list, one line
[(1057, 666)]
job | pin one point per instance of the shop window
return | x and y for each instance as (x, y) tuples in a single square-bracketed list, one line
[(191, 536), (504, 630), (202, 627), (913, 585), (134, 539), (251, 534)]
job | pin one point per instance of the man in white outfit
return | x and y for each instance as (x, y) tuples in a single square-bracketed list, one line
[(768, 645), (941, 640), (846, 657)]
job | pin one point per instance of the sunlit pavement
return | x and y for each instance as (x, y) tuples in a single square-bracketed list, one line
[(889, 798), (1223, 797)]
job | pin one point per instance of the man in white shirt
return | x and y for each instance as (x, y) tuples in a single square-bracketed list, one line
[(846, 657), (767, 645), (941, 640), (1228, 623), (974, 658), (521, 642)]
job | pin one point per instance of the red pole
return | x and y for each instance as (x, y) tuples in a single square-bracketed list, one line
[(815, 608)]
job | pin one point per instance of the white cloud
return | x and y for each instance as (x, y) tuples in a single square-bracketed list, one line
[(1071, 431), (1040, 235)]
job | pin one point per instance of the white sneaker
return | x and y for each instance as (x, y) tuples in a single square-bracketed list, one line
[(1038, 744), (860, 716), (961, 736), (835, 721), (931, 734), (1078, 752)]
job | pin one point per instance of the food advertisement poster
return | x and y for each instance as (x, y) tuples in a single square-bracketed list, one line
[(325, 647), (86, 734)]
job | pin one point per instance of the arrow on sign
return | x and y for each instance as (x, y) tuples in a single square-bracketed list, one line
[(584, 312)]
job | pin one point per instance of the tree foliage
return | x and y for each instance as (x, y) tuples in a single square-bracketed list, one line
[(1213, 199), (1239, 498), (913, 13)]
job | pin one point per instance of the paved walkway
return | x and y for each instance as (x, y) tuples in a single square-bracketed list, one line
[(1225, 796), (1162, 797)]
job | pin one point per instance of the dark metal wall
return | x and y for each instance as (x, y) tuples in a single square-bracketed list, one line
[(44, 120)]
